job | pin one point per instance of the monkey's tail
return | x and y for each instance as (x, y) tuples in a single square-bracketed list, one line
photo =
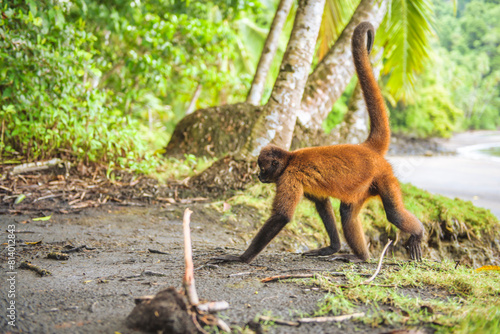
[(380, 133)]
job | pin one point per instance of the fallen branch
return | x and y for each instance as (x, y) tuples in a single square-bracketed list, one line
[(279, 321), (330, 319), (38, 270), (280, 277), (379, 263), (77, 249), (57, 256), (212, 307), (35, 166), (155, 251), (188, 281)]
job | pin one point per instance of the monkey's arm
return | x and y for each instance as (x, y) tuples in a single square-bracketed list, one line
[(287, 197)]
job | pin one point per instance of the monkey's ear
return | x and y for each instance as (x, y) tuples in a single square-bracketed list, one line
[(275, 163)]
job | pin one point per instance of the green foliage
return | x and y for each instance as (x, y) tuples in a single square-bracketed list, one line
[(49, 106), (106, 81), (432, 112), (405, 35), (474, 48), (161, 51), (460, 87)]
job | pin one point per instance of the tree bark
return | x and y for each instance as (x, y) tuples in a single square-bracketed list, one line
[(268, 52), (224, 130), (195, 97), (328, 81), (276, 123)]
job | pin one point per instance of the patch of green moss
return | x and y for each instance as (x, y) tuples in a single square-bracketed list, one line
[(440, 295)]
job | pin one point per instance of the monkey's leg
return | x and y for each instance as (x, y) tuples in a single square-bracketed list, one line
[(288, 195), (390, 193), (353, 231), (325, 210)]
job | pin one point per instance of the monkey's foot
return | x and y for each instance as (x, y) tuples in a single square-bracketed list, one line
[(346, 258), (413, 246), (226, 258), (321, 251)]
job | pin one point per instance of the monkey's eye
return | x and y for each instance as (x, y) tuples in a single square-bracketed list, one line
[(275, 163)]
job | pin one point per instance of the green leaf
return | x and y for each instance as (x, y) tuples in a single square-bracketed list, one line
[(19, 199), (42, 218)]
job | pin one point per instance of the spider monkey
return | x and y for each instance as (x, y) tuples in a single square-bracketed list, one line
[(351, 173)]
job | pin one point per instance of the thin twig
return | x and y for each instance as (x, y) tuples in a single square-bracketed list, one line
[(279, 277), (331, 319), (223, 326), (379, 263), (188, 281), (279, 321), (38, 270), (212, 307), (241, 274), (196, 323)]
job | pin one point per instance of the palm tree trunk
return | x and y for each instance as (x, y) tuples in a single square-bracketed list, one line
[(276, 122), (192, 103), (328, 81), (268, 52)]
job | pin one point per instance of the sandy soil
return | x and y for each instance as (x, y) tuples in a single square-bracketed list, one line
[(93, 291)]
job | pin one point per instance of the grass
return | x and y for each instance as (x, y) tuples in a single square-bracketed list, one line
[(440, 296), (430, 294)]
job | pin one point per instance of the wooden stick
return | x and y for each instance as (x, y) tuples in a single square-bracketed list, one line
[(188, 281), (35, 166), (212, 307), (279, 321), (278, 277), (38, 270), (223, 326), (331, 319), (379, 263)]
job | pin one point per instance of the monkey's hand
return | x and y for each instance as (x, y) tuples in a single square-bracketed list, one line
[(413, 246), (226, 258)]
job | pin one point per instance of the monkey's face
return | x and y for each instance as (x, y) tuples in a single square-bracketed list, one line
[(271, 164)]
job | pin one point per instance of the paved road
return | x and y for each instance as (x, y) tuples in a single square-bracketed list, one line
[(469, 175)]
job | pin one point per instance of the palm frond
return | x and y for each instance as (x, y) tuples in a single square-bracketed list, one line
[(336, 15), (405, 35)]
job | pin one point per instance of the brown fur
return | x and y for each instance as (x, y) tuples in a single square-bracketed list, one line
[(351, 173)]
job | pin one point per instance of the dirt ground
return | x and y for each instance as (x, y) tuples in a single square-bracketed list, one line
[(123, 224), (93, 291)]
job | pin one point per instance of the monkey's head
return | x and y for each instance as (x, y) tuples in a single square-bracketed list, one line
[(272, 162)]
